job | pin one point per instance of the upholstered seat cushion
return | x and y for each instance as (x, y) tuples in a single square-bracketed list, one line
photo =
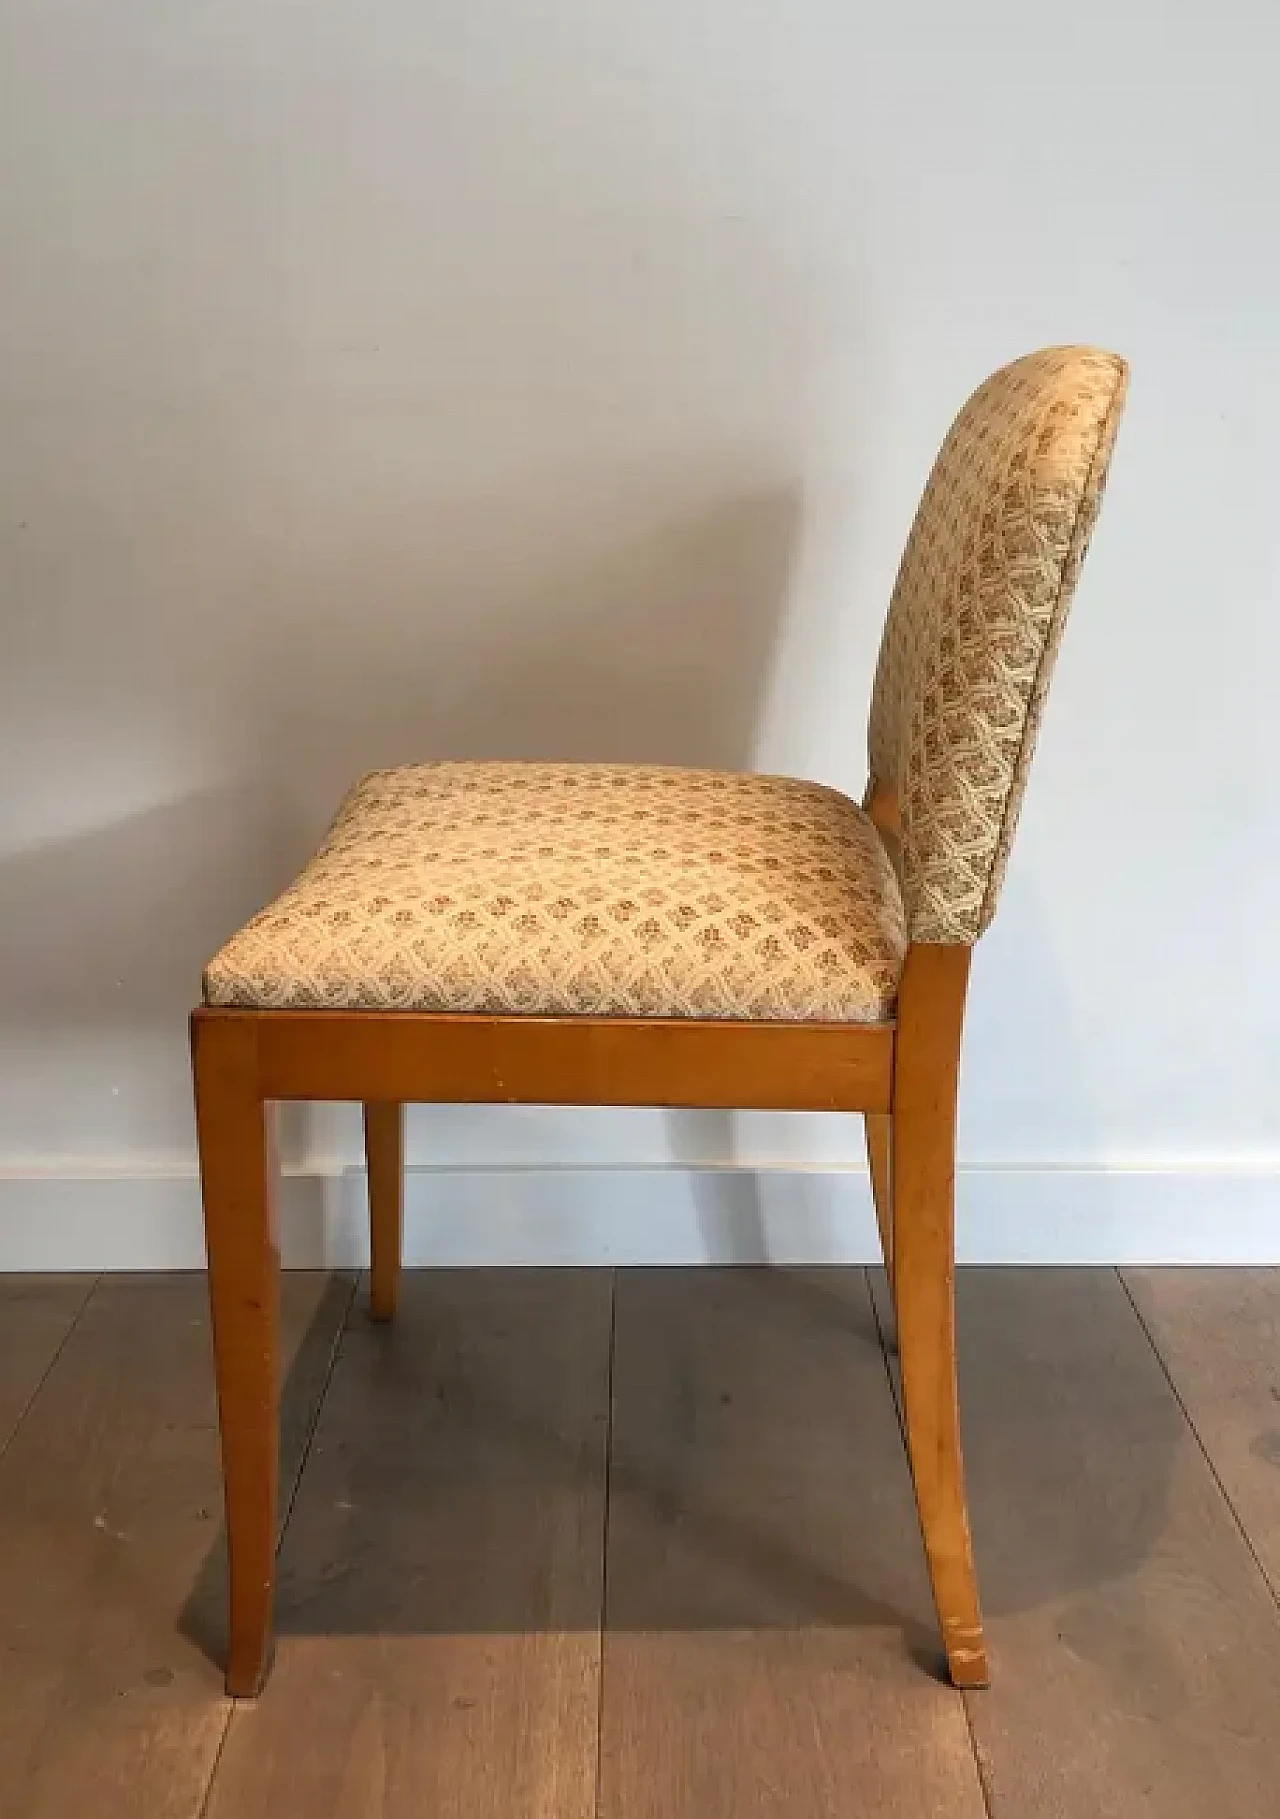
[(560, 889)]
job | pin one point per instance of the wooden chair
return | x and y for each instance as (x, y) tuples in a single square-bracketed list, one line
[(613, 935)]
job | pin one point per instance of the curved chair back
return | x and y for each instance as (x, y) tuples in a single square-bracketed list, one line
[(975, 621)]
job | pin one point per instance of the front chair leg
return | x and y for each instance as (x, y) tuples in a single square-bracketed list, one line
[(926, 1071), (237, 1170), (384, 1158)]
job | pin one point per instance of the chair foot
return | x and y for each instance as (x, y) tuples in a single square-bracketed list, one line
[(249, 1666), (968, 1667), (966, 1657)]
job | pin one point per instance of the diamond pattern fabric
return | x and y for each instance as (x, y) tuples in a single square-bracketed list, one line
[(975, 622), (551, 889), (639, 891)]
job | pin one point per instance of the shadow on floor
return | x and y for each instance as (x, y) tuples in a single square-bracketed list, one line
[(754, 1473)]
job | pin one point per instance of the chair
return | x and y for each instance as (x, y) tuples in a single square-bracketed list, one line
[(614, 935)]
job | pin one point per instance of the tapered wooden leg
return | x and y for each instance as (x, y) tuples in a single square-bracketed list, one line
[(879, 1156), (384, 1155), (926, 1073), (237, 1169)]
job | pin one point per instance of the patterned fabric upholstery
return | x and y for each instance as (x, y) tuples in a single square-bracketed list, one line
[(560, 889), (975, 621), (638, 891)]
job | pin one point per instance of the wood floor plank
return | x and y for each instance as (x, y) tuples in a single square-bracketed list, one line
[(766, 1593), (36, 1314), (1135, 1647), (110, 1545), (439, 1608), (1218, 1332)]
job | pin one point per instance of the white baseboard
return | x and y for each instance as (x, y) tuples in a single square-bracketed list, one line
[(113, 1220)]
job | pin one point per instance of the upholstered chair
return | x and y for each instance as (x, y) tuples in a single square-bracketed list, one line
[(618, 935)]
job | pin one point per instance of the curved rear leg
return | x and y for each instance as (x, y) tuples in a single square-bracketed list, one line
[(926, 1070)]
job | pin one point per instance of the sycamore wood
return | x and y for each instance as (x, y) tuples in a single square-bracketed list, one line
[(880, 1162), (384, 1159), (237, 1168), (417, 1057), (902, 1077), (931, 997)]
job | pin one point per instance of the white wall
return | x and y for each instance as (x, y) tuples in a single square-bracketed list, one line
[(557, 378)]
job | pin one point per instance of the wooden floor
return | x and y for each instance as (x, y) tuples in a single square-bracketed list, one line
[(565, 1543)]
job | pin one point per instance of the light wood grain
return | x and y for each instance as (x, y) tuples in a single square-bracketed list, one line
[(879, 1133), (238, 1172), (931, 1002), (111, 1579), (766, 1597), (880, 800), (1135, 1644), (1218, 1333), (411, 1056), (384, 1167), (36, 1314), (440, 1591)]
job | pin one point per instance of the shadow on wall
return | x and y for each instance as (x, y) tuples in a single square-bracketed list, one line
[(112, 927), (657, 652), (421, 412)]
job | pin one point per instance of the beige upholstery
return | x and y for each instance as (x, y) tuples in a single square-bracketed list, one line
[(975, 621), (563, 889), (644, 892)]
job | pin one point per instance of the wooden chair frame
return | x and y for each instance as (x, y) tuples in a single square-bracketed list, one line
[(902, 1076)]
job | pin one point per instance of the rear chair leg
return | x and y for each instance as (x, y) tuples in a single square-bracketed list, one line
[(926, 1073), (879, 1127), (384, 1156), (237, 1171)]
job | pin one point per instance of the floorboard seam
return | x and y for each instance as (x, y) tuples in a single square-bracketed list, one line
[(304, 1453), (604, 1542), (45, 1374), (983, 1788), (1205, 1454), (216, 1764)]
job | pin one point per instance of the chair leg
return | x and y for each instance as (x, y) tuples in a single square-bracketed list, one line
[(926, 1071), (384, 1156), (879, 1126), (237, 1169)]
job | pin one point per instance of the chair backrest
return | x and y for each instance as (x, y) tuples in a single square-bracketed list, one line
[(975, 620)]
